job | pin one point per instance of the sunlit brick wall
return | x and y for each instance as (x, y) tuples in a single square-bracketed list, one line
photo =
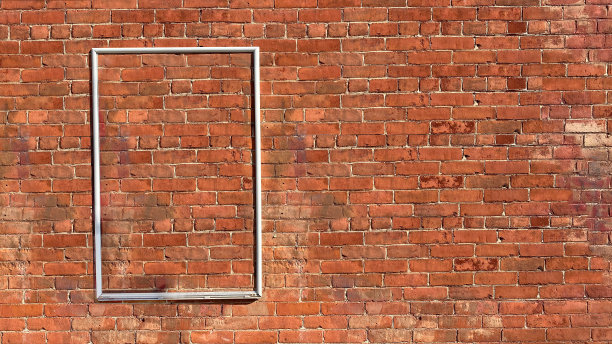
[(433, 171)]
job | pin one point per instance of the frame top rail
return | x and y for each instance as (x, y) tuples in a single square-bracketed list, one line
[(174, 50)]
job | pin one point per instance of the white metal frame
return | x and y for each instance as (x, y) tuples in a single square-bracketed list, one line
[(208, 295)]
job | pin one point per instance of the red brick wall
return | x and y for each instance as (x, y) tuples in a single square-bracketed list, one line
[(433, 171)]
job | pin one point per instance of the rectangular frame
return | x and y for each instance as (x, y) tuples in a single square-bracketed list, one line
[(208, 295)]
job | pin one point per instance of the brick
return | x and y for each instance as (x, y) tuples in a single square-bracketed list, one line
[(165, 268), (87, 16), (448, 279), (45, 74), (342, 267), (514, 292), (142, 74), (115, 4), (42, 17), (475, 264), (319, 15), (50, 47), (500, 13), (417, 14), (524, 334), (24, 310), (431, 265), (568, 334), (132, 16), (454, 14), (178, 15), (400, 44), (389, 336), (319, 73), (34, 337), (61, 269), (452, 43)]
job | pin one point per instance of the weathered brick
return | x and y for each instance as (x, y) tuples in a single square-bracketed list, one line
[(417, 157)]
